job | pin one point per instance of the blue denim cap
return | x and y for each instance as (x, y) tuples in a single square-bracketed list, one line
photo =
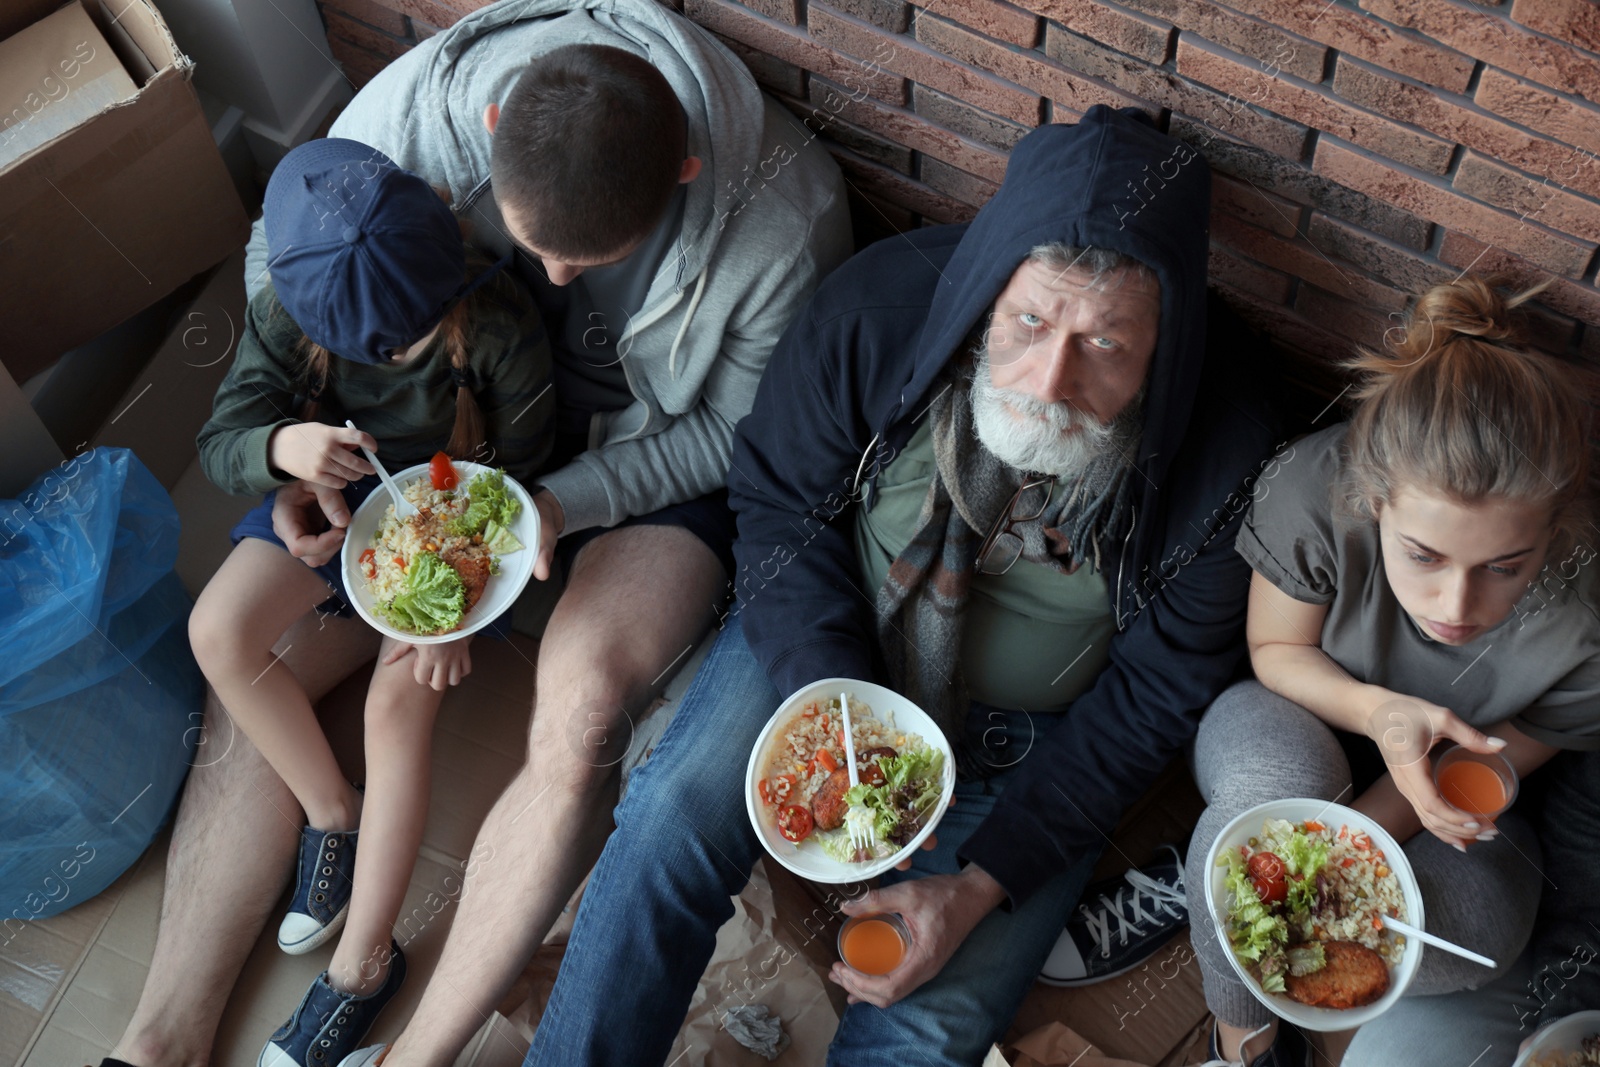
[(365, 256)]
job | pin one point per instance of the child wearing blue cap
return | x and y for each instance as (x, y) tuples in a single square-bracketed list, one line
[(376, 315)]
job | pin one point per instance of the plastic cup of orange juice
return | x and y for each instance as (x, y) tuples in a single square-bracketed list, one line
[(874, 944), (1482, 784)]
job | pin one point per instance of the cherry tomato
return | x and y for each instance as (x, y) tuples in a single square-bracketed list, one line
[(794, 822), (442, 472), (1269, 876)]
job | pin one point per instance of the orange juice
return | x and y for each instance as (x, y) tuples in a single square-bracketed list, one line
[(1473, 788), (872, 946)]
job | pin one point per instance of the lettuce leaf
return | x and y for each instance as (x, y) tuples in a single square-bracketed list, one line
[(919, 764), (501, 541), (433, 601), (490, 501), (912, 784), (1272, 970), (877, 799), (1308, 958), (836, 843), (1304, 858), (471, 521), (1255, 934)]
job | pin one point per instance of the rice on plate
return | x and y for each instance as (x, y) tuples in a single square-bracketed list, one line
[(1570, 1041), (1588, 1057)]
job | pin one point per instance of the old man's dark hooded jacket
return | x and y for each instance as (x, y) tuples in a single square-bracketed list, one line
[(841, 397)]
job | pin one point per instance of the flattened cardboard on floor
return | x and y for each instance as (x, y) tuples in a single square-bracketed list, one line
[(103, 220), (55, 76)]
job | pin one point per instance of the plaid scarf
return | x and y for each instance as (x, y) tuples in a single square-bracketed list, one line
[(921, 607)]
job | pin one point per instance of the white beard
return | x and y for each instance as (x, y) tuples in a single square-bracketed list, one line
[(1053, 439)]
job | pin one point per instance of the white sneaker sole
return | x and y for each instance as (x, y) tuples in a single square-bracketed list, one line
[(312, 942), (363, 1057)]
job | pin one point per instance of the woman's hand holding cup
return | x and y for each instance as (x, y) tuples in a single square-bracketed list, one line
[(1406, 730)]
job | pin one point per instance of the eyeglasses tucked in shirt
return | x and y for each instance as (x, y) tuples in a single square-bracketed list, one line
[(1003, 546)]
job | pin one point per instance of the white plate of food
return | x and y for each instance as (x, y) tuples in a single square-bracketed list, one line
[(1297, 889), (1572, 1041), (799, 763), (450, 569)]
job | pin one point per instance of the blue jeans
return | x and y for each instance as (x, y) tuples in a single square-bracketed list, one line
[(683, 848)]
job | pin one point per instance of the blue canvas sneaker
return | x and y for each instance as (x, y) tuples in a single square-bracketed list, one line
[(1120, 923), (329, 1025), (321, 890)]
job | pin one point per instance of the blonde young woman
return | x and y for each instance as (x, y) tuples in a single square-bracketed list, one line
[(1422, 576)]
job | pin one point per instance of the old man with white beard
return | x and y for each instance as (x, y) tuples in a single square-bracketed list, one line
[(1028, 423)]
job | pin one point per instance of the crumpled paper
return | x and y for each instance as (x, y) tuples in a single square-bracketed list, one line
[(757, 1029), (758, 961), (1058, 1045)]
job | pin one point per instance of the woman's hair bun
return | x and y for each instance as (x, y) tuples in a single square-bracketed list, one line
[(1459, 404), (1470, 306)]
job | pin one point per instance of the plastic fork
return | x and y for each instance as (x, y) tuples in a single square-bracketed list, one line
[(863, 833), (403, 508)]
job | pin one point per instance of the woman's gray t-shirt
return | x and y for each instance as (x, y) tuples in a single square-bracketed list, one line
[(1540, 667)]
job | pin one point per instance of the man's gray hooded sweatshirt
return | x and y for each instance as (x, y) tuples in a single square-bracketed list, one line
[(764, 222)]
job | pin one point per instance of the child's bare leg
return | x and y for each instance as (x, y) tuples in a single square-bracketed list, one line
[(400, 716), (233, 846), (259, 590)]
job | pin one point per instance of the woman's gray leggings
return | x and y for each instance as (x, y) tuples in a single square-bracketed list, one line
[(1254, 746)]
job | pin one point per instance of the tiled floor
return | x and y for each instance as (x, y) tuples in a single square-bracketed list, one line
[(477, 748)]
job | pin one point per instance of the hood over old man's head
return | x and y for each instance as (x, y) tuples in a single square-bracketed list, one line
[(1084, 280)]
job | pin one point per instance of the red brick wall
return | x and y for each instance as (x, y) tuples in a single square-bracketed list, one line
[(1360, 152)]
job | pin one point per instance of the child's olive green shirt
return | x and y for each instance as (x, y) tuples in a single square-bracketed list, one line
[(409, 408)]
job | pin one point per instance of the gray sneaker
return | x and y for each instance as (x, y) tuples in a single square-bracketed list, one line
[(1289, 1049)]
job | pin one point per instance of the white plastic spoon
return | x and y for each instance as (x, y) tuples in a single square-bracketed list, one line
[(403, 508), (1437, 942)]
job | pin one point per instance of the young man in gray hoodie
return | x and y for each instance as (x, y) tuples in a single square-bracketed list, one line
[(659, 343)]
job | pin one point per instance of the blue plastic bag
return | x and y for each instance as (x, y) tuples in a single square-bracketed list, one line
[(100, 696)]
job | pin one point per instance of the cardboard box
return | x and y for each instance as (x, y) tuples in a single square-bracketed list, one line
[(100, 220), (61, 73)]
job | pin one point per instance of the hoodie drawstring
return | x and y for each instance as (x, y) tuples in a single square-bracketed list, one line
[(683, 328)]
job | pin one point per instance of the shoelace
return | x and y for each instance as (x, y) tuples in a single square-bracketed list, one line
[(1131, 918), (1239, 1062)]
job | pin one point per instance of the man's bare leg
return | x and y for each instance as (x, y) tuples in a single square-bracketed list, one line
[(233, 848), (638, 599)]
